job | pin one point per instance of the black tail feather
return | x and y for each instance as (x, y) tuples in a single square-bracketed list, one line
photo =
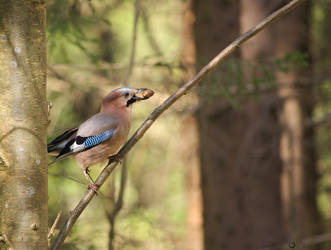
[(61, 139)]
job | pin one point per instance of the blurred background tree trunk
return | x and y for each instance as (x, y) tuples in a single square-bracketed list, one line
[(297, 148), (194, 239), (262, 158), (258, 160), (240, 161), (23, 112)]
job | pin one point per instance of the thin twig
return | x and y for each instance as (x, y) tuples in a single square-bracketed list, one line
[(134, 40), (57, 75), (117, 207), (160, 110), (53, 227), (151, 39), (303, 243), (119, 202), (80, 183)]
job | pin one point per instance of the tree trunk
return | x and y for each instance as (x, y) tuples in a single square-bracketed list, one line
[(239, 147), (194, 237), (297, 136), (23, 112)]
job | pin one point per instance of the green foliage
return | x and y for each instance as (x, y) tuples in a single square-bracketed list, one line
[(321, 47), (292, 61), (237, 79), (69, 22)]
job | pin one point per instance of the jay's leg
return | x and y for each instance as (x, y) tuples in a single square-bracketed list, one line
[(87, 170), (87, 177)]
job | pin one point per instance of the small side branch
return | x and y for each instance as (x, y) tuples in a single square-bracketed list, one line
[(53, 227), (161, 109), (302, 244), (111, 216)]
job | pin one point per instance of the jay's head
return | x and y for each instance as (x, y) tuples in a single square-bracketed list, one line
[(124, 97)]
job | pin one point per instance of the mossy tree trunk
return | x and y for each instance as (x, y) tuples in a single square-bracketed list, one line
[(23, 112)]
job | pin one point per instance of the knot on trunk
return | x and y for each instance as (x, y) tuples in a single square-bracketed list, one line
[(3, 164)]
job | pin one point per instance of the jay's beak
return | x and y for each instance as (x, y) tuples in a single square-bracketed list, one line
[(141, 94)]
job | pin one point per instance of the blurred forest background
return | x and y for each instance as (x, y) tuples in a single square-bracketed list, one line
[(242, 162)]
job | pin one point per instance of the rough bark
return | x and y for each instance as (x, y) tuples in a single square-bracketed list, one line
[(240, 162), (299, 176), (23, 112)]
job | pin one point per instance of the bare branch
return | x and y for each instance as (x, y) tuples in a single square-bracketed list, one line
[(162, 108)]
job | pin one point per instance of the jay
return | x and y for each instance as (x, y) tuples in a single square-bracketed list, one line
[(100, 137)]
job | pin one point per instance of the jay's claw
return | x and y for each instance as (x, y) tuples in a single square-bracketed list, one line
[(94, 187)]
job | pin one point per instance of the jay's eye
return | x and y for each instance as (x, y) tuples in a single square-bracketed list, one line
[(126, 95)]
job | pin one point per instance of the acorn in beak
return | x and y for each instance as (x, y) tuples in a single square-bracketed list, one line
[(141, 94)]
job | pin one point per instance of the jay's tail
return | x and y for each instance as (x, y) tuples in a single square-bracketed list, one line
[(60, 142)]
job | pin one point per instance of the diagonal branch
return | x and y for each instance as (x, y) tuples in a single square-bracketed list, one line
[(161, 109)]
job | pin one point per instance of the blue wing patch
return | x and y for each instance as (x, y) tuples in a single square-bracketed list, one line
[(97, 139)]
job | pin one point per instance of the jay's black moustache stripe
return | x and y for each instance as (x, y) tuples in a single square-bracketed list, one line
[(131, 101), (134, 99)]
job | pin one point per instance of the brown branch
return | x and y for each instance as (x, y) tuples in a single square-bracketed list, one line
[(163, 107)]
